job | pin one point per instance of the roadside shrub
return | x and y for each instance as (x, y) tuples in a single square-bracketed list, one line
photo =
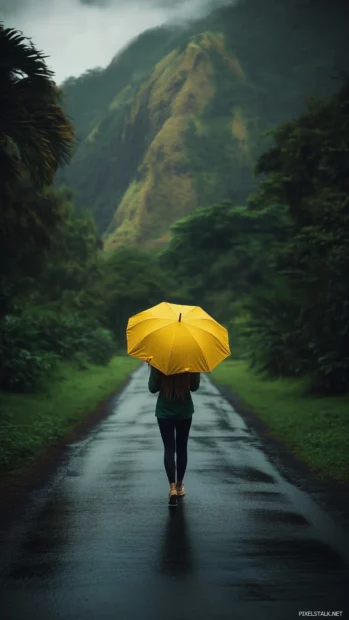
[(100, 346), (238, 339), (331, 374), (65, 334), (81, 361), (34, 341), (25, 371), (68, 335)]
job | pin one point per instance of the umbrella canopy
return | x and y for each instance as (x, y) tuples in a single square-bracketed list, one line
[(175, 338)]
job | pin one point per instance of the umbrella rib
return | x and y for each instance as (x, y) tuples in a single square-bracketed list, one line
[(205, 319), (206, 332), (151, 318), (204, 356), (142, 339), (169, 357)]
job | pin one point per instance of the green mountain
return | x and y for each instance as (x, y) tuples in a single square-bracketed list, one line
[(176, 121)]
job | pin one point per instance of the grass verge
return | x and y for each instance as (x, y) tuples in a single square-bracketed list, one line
[(29, 423), (315, 429)]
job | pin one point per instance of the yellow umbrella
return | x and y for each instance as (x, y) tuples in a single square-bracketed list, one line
[(175, 338)]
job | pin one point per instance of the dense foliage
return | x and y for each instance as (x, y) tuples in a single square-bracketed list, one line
[(34, 340), (61, 298), (133, 281), (277, 270), (307, 172), (49, 309)]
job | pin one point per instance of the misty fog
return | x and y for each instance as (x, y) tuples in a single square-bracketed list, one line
[(82, 34)]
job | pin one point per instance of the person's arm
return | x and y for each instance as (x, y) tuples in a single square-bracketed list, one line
[(153, 383), (194, 381)]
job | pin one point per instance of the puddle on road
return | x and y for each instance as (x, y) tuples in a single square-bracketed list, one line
[(264, 495), (206, 441), (302, 552), (252, 474), (278, 516)]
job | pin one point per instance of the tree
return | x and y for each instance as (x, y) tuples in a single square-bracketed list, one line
[(35, 134), (222, 252), (72, 276), (133, 282), (307, 173), (29, 228)]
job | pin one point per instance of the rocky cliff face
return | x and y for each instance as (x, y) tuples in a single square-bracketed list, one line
[(172, 105), (180, 139)]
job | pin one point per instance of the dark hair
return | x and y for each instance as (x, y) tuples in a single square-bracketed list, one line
[(175, 387)]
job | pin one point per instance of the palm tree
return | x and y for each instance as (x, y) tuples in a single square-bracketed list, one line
[(36, 136)]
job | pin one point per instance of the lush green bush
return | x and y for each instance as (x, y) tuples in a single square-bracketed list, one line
[(238, 337), (100, 346), (25, 364), (133, 282), (33, 341), (24, 371)]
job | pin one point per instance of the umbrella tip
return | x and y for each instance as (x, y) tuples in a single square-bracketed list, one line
[(180, 316)]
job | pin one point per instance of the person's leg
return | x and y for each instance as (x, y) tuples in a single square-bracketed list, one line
[(182, 434), (168, 437)]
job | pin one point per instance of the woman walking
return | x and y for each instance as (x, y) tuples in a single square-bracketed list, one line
[(178, 342), (174, 410)]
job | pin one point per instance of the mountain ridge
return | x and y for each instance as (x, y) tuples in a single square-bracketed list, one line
[(176, 93), (176, 121)]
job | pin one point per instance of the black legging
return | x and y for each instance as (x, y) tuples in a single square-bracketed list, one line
[(172, 445)]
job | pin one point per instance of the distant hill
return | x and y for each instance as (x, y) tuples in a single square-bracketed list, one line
[(176, 121)]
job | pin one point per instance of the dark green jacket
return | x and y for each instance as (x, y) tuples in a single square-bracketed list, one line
[(174, 408)]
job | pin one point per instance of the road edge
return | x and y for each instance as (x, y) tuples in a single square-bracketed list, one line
[(15, 489), (331, 495)]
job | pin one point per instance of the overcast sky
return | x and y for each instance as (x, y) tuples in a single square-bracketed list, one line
[(82, 34)]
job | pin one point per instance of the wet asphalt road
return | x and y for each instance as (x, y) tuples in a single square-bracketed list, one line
[(100, 542)]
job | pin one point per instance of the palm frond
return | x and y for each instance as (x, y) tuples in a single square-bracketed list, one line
[(30, 113), (19, 57)]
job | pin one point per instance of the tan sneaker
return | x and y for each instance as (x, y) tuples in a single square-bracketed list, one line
[(180, 491), (172, 497)]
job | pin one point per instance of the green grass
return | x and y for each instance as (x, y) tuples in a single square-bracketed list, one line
[(315, 429), (31, 422)]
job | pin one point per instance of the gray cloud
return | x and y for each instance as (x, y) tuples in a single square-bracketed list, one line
[(82, 34)]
